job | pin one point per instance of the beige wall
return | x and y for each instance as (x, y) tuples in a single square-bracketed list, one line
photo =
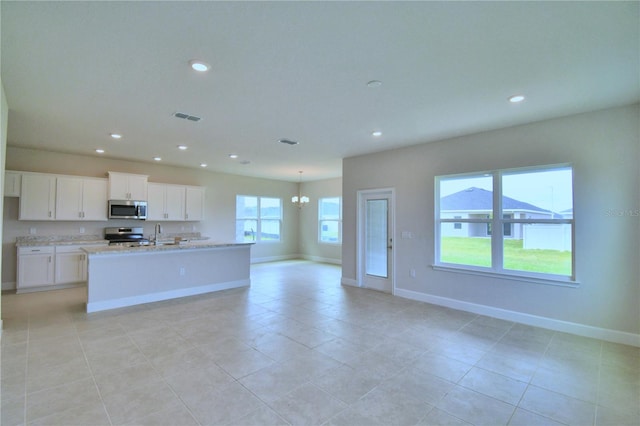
[(604, 149), (309, 245), (219, 222), (4, 115)]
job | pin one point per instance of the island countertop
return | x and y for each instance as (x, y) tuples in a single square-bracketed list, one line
[(126, 276), (182, 246), (59, 240)]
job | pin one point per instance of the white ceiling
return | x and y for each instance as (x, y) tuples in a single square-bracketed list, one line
[(74, 72)]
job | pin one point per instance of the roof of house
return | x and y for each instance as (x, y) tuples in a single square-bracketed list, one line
[(480, 199)]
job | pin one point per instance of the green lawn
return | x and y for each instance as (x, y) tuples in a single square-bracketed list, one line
[(477, 252)]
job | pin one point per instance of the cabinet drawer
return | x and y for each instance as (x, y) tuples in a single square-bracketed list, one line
[(36, 250)]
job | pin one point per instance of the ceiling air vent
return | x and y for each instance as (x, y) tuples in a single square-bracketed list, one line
[(186, 116), (288, 142)]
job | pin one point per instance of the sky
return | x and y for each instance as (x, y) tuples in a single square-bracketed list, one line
[(550, 189)]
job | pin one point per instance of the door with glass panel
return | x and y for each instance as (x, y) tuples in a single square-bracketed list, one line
[(376, 240)]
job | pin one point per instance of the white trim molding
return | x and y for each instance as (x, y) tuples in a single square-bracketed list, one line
[(274, 258), (9, 285), (322, 259), (522, 318), (349, 281), (164, 295)]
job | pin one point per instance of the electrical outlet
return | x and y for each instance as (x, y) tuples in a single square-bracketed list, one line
[(82, 229), (412, 272), (32, 231), (182, 271)]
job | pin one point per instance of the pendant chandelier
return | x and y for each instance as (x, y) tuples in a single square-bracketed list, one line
[(300, 200)]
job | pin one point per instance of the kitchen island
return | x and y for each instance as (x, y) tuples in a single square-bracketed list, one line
[(126, 276)]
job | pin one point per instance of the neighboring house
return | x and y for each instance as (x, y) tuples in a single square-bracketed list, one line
[(476, 203)]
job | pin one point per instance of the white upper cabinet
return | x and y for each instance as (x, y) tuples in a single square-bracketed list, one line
[(165, 202), (174, 202), (125, 186), (38, 197), (194, 203), (12, 182), (81, 198)]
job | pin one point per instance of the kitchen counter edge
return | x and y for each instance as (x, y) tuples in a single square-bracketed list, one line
[(160, 248)]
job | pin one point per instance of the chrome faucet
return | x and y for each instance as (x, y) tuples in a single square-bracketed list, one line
[(157, 231)]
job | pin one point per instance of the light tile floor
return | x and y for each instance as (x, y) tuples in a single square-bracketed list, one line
[(298, 348)]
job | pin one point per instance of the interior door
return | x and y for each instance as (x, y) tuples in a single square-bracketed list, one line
[(376, 240)]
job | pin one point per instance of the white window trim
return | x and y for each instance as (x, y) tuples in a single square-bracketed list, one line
[(497, 270), (339, 220), (259, 220)]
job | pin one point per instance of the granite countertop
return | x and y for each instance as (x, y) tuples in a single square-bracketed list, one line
[(190, 245), (59, 240)]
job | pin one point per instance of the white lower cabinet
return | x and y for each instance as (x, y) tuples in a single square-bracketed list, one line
[(71, 265), (35, 267), (47, 266)]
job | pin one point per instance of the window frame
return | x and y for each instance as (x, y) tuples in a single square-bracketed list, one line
[(321, 219), (498, 222), (259, 219)]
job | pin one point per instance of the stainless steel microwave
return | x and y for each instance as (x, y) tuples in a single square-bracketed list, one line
[(127, 209)]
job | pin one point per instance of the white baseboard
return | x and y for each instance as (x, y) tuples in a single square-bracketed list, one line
[(164, 295), (51, 287), (10, 285), (349, 281), (322, 259), (528, 319), (275, 258)]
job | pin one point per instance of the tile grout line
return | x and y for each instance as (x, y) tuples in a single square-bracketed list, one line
[(132, 340), (26, 367), (93, 377), (598, 390)]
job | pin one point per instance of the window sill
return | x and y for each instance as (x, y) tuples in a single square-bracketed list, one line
[(560, 282)]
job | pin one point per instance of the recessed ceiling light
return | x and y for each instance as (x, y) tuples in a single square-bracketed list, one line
[(376, 133), (233, 155), (199, 66), (374, 83), (203, 164), (116, 135), (516, 99), (182, 147), (100, 151), (157, 158)]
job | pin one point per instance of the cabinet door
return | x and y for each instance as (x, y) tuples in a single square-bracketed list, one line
[(35, 270), (174, 202), (70, 267), (68, 198), (155, 201), (138, 187), (118, 186), (194, 203), (94, 199), (12, 184), (123, 186), (37, 198)]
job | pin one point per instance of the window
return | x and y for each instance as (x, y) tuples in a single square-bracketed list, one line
[(258, 218), (533, 210), (457, 225), (330, 220)]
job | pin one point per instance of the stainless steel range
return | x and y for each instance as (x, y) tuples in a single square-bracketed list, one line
[(127, 237)]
